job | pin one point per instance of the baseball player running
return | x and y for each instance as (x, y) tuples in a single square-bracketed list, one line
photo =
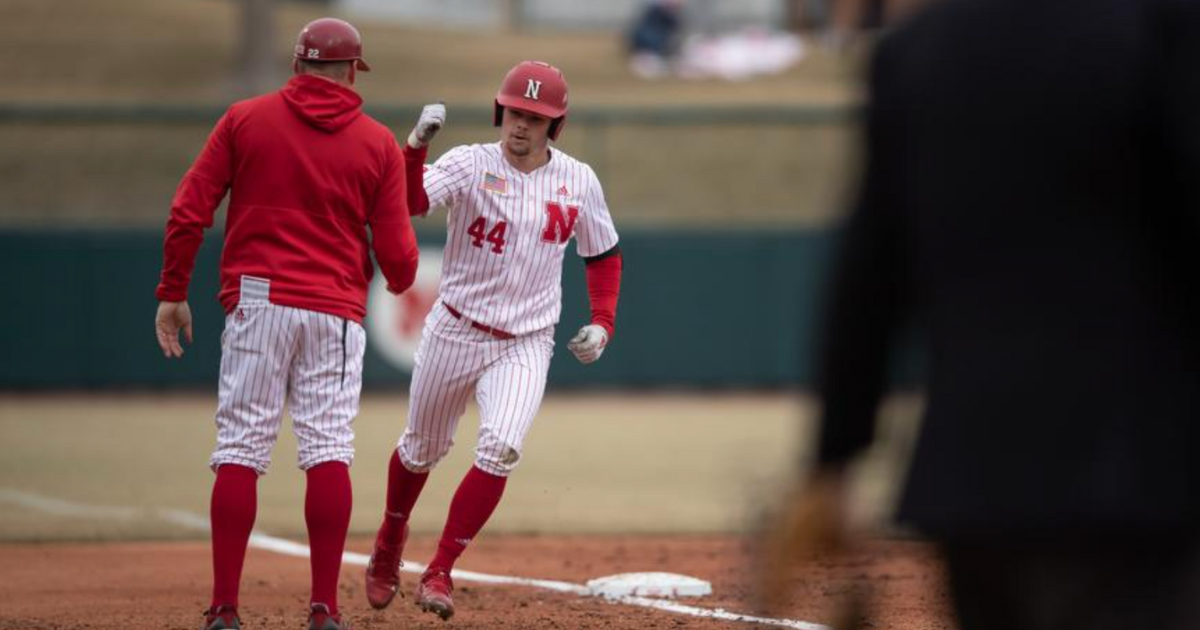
[(512, 208), (308, 173)]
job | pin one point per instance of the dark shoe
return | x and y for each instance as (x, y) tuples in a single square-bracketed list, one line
[(222, 618), (433, 594), (383, 571), (320, 619)]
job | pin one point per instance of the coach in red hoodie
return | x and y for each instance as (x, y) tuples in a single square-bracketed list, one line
[(307, 174)]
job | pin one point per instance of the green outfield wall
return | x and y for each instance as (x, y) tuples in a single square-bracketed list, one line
[(698, 309)]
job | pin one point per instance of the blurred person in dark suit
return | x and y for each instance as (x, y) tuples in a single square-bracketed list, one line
[(1030, 205)]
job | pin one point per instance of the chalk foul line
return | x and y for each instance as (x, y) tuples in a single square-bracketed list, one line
[(282, 546)]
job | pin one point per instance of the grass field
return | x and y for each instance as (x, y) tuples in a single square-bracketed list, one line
[(601, 463), (593, 464)]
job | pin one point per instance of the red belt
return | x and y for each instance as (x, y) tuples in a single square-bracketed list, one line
[(495, 332)]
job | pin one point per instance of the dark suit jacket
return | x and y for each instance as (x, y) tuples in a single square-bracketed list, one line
[(1030, 201)]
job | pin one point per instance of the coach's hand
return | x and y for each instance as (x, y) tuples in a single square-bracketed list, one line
[(810, 524), (432, 118), (588, 345), (173, 316)]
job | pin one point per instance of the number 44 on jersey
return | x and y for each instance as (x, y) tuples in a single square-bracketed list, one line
[(560, 225)]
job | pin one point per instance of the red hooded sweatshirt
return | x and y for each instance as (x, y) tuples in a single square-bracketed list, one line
[(308, 173)]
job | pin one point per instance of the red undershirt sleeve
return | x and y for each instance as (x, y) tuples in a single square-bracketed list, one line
[(604, 288), (414, 172)]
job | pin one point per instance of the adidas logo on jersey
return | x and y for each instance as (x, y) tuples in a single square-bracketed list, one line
[(562, 192)]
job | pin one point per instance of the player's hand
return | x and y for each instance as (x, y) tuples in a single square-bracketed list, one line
[(173, 317), (433, 116), (588, 345)]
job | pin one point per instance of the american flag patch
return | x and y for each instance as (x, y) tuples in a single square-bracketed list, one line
[(495, 183)]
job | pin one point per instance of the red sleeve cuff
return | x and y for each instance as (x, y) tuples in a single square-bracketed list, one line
[(170, 295)]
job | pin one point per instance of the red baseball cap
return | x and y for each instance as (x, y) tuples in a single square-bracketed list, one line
[(538, 87)]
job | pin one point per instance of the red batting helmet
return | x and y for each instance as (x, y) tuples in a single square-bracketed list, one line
[(538, 87), (330, 39)]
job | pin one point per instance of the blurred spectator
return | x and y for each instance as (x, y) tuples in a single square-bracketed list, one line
[(658, 48), (1029, 201), (654, 38)]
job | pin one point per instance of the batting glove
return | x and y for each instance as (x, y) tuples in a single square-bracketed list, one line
[(432, 118), (588, 345)]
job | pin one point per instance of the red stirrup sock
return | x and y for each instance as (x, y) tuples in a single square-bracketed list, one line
[(476, 499), (403, 488), (231, 513), (327, 506)]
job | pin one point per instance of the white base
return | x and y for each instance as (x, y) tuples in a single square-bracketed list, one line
[(668, 585)]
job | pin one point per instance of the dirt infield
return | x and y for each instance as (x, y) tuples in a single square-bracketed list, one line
[(165, 585)]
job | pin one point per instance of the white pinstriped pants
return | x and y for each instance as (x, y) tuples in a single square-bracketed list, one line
[(454, 360), (273, 354)]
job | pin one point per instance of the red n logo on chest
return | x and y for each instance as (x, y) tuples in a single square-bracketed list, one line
[(559, 224)]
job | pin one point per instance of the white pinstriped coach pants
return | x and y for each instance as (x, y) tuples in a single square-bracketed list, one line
[(456, 360), (273, 354)]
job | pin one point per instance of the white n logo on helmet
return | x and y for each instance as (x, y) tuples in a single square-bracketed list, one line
[(532, 90)]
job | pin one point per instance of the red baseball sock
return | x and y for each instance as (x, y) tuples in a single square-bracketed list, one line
[(231, 513), (476, 499), (404, 486), (327, 512)]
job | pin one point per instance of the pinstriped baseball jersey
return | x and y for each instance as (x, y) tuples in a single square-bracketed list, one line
[(272, 354), (507, 232)]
